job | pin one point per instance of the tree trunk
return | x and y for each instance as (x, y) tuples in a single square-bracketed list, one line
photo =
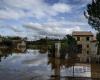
[(98, 39), (98, 49)]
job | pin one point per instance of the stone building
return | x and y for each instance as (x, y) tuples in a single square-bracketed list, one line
[(19, 45), (86, 44)]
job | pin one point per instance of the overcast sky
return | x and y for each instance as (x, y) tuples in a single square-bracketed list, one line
[(40, 18)]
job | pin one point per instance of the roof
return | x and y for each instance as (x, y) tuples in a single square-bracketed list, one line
[(82, 33)]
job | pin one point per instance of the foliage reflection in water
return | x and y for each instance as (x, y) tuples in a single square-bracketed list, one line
[(33, 65)]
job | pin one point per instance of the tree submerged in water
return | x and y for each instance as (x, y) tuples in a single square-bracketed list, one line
[(93, 15), (71, 45), (68, 46)]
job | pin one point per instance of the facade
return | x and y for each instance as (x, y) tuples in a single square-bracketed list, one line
[(86, 44), (19, 45), (0, 39)]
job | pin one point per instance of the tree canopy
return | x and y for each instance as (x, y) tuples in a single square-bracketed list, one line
[(93, 14)]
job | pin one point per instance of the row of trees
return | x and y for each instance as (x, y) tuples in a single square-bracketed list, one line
[(8, 42)]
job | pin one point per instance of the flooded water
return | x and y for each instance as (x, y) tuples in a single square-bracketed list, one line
[(33, 65)]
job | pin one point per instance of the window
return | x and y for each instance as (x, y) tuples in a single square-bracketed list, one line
[(88, 46), (87, 38), (78, 38), (87, 52)]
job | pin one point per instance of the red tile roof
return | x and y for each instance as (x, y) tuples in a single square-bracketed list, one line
[(82, 33)]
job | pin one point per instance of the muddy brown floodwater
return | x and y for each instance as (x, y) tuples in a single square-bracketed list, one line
[(33, 65)]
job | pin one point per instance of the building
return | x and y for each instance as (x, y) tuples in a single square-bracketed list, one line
[(86, 44), (19, 45), (0, 39)]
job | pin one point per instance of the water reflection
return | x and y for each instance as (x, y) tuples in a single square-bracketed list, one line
[(33, 65), (4, 53), (65, 68)]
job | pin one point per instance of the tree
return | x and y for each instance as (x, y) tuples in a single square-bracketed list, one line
[(69, 45), (72, 45), (93, 15)]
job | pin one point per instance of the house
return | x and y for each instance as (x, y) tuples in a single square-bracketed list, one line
[(19, 45), (86, 44), (0, 39), (94, 46)]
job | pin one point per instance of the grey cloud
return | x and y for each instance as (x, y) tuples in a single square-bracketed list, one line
[(35, 8), (13, 9), (53, 29), (15, 29)]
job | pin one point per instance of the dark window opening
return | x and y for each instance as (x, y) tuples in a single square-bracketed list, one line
[(78, 38), (88, 46), (87, 52), (87, 38)]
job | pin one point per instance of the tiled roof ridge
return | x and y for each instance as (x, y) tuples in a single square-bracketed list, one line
[(82, 33)]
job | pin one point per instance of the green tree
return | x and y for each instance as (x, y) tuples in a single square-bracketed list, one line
[(69, 45), (72, 45), (92, 13)]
